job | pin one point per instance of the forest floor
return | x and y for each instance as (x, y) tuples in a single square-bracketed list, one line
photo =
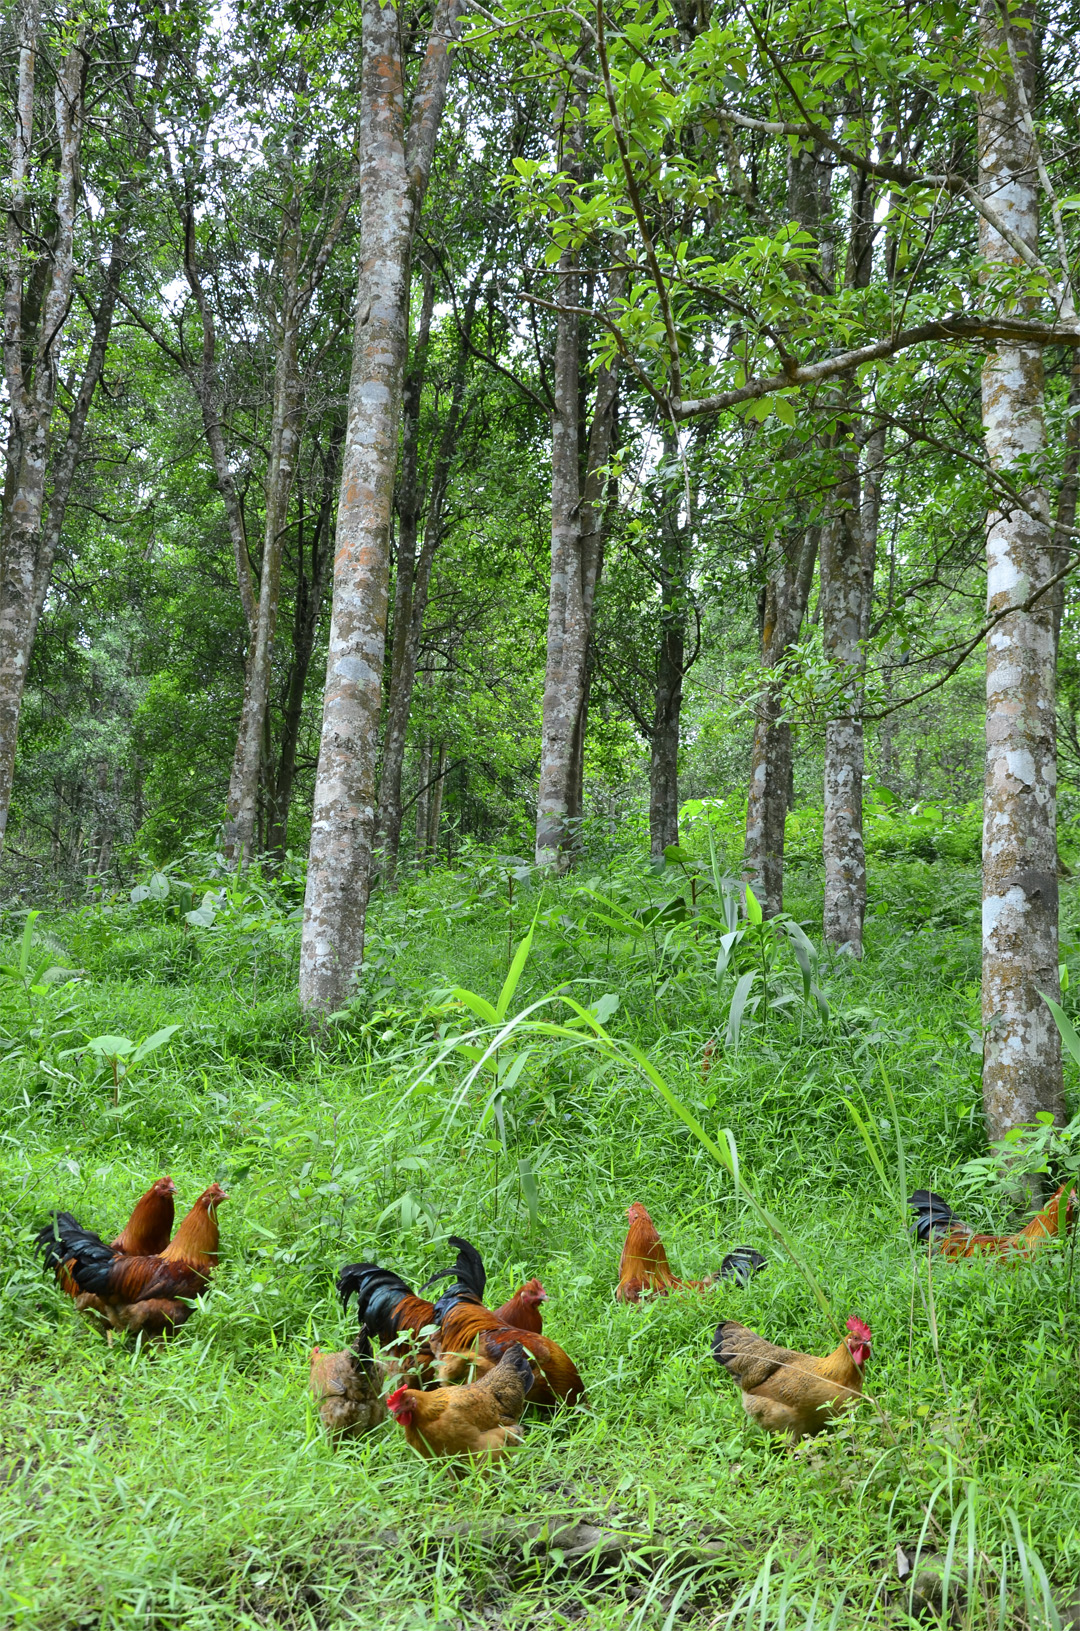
[(191, 1487)]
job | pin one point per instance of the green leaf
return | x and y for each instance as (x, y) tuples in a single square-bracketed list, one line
[(753, 909), (27, 940), (1065, 1026), (530, 1189), (111, 1047), (738, 1008), (513, 973), (151, 1043)]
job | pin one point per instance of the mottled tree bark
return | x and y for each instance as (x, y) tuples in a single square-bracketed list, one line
[(1022, 1049), (842, 615), (576, 561), (410, 607), (848, 548), (31, 370), (394, 175), (787, 590), (311, 576)]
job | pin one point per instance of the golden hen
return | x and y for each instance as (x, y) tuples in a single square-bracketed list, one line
[(346, 1388), (784, 1391), (477, 1421)]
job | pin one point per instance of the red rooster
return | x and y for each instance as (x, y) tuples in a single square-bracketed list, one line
[(936, 1221), (151, 1294), (145, 1234), (644, 1266), (471, 1335)]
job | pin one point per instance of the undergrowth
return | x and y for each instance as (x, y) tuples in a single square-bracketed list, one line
[(192, 1488)]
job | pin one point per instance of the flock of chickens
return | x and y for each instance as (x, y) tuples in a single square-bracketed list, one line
[(456, 1375)]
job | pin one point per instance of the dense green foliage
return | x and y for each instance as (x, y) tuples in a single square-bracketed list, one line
[(192, 1487)]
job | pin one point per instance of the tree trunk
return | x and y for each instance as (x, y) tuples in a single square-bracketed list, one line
[(393, 180), (787, 592), (577, 548), (411, 607), (847, 583), (670, 666), (31, 367), (842, 599), (1022, 1049), (423, 798), (248, 760), (435, 815), (310, 589)]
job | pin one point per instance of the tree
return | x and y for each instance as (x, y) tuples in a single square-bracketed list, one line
[(1022, 1052), (394, 172)]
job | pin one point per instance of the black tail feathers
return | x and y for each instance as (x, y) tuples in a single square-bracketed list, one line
[(64, 1238), (932, 1214), (516, 1357), (741, 1265)]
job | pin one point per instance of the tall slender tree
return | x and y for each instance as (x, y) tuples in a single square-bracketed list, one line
[(394, 172)]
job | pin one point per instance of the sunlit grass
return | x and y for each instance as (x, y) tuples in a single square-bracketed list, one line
[(192, 1487)]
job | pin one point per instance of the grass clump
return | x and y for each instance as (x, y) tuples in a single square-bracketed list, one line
[(192, 1487)]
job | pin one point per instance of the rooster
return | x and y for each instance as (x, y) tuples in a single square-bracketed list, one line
[(146, 1293), (788, 1392), (479, 1420), (393, 1315), (470, 1334), (523, 1309), (644, 1266), (936, 1222), (346, 1388), (145, 1234)]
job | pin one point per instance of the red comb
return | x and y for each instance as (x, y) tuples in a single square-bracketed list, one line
[(394, 1398), (857, 1328)]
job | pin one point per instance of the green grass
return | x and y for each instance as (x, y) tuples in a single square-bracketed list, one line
[(191, 1487)]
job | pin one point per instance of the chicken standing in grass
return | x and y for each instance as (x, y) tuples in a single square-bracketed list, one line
[(523, 1309), (936, 1221), (151, 1294), (478, 1421), (644, 1267), (145, 1234), (347, 1389), (784, 1391), (471, 1335)]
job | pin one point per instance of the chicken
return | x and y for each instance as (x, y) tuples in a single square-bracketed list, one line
[(347, 1389), (143, 1293), (478, 1420), (936, 1221), (644, 1266), (788, 1392), (391, 1314), (146, 1232), (523, 1309), (470, 1334)]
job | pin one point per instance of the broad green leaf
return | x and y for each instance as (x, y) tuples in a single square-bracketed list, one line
[(513, 973), (738, 1008), (1065, 1026), (151, 1043), (530, 1189), (753, 909), (111, 1047)]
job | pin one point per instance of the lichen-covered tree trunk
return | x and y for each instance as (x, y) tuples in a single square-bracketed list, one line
[(1022, 1050), (242, 804), (412, 607), (394, 175), (31, 371), (312, 573), (789, 576), (842, 600), (787, 591)]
